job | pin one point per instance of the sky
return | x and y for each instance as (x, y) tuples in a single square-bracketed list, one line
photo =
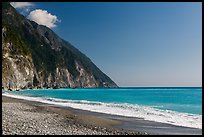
[(136, 44)]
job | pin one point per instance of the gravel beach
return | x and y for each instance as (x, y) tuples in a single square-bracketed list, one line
[(20, 117), (23, 117)]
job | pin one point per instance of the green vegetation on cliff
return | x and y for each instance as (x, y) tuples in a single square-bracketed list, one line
[(48, 51)]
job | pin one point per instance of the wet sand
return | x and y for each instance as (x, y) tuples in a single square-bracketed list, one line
[(75, 121)]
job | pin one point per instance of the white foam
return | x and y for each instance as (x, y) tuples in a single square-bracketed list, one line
[(148, 113)]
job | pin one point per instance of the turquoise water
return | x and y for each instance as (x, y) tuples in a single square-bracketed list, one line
[(177, 106), (188, 100)]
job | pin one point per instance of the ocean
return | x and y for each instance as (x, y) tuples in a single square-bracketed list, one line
[(173, 105)]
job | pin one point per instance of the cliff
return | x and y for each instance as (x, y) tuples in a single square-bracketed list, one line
[(33, 56)]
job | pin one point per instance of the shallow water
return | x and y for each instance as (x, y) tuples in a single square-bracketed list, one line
[(177, 106)]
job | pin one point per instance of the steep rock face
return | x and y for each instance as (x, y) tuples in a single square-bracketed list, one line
[(17, 69), (35, 57)]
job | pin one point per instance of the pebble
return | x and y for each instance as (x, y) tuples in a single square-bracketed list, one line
[(22, 119)]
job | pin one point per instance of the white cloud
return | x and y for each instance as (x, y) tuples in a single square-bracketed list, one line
[(42, 17), (21, 4)]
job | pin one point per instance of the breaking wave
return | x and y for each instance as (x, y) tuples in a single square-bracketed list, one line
[(124, 109)]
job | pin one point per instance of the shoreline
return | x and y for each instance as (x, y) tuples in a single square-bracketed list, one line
[(118, 124), (23, 117)]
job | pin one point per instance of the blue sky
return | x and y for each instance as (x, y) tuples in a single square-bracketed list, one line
[(136, 44)]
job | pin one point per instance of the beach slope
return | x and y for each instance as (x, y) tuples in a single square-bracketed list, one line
[(24, 117)]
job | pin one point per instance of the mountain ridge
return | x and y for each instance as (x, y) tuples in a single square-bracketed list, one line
[(36, 57)]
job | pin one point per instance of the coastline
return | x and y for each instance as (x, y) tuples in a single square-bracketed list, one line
[(87, 122), (24, 117)]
